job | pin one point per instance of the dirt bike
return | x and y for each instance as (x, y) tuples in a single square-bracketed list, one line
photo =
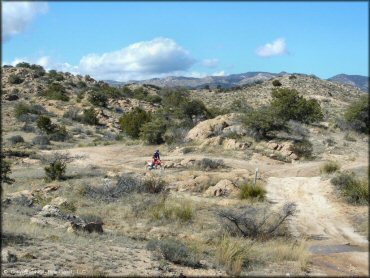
[(158, 165)]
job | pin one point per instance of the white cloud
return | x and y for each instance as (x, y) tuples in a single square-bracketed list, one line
[(16, 16), (140, 60), (278, 47), (210, 63), (219, 73)]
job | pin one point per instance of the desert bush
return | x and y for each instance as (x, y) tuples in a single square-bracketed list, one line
[(109, 192), (153, 132), (174, 251), (55, 91), (276, 83), (57, 166), (330, 167), (15, 79), (175, 135), (38, 71), (89, 116), (255, 222), (28, 127), (302, 148), (57, 76), (6, 171), (252, 191), (98, 99), (354, 190), (60, 134), (41, 140), (23, 65), (16, 139), (153, 185), (21, 109), (207, 164), (262, 122), (73, 113), (357, 115), (292, 77), (231, 253), (289, 105), (349, 137), (45, 125), (132, 122)]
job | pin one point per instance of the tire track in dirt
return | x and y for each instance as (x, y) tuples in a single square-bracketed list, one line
[(320, 218)]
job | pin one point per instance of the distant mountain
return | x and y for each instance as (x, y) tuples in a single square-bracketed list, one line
[(227, 81), (359, 81)]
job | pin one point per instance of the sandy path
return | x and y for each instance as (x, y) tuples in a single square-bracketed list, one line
[(322, 218)]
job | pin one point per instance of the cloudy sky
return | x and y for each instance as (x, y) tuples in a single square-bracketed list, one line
[(127, 40)]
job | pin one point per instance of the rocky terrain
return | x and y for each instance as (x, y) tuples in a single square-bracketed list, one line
[(361, 82), (78, 199)]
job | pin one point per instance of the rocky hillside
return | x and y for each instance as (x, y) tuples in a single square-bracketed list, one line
[(333, 97), (359, 81), (227, 81)]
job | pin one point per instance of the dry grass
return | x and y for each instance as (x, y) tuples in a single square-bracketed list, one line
[(252, 191), (236, 253), (182, 211), (330, 167)]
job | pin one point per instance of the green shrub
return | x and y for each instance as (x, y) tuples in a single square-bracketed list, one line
[(289, 105), (330, 167), (262, 122), (60, 133), (352, 189), (302, 148), (98, 99), (90, 117), (174, 251), (23, 65), (6, 171), (153, 132), (252, 191), (291, 77), (57, 76), (38, 70), (55, 171), (21, 109), (132, 122), (16, 139), (276, 83), (357, 115), (55, 91), (44, 124), (15, 79)]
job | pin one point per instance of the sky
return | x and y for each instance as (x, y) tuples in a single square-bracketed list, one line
[(140, 40)]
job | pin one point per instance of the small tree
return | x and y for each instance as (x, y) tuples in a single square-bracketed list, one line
[(98, 99), (44, 124), (5, 172), (357, 115), (153, 132), (276, 83), (131, 122), (57, 165), (90, 117)]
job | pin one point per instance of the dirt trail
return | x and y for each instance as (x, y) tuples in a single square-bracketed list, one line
[(337, 248)]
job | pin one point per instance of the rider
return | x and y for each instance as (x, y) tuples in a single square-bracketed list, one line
[(156, 158)]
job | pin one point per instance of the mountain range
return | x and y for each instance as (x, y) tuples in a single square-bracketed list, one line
[(234, 80)]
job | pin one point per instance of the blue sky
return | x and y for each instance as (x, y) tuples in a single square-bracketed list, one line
[(140, 40)]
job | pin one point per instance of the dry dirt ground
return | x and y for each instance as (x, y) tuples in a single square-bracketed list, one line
[(337, 248), (323, 219)]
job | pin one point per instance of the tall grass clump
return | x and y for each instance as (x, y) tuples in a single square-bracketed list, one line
[(252, 191), (330, 167)]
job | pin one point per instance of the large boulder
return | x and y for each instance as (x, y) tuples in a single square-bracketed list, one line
[(222, 188), (210, 128)]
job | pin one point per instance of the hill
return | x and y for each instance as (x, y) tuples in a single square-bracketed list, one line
[(359, 81)]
